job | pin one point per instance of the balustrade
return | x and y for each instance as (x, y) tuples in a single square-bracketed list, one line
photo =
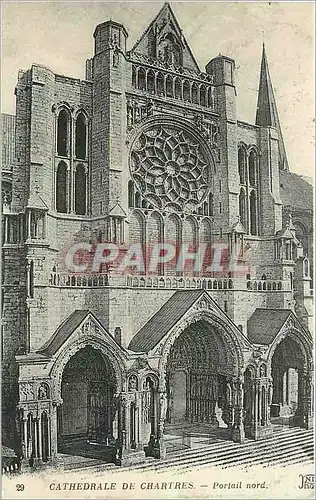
[(166, 84), (264, 285)]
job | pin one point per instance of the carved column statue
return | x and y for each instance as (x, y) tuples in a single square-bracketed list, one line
[(238, 432)]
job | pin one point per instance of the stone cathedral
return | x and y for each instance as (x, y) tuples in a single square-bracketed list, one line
[(146, 149)]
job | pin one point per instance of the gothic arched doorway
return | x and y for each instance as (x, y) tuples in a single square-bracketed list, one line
[(88, 409), (201, 380), (287, 370)]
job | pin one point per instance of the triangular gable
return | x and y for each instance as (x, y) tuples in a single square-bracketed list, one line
[(78, 321), (165, 27), (179, 304), (35, 201), (117, 211)]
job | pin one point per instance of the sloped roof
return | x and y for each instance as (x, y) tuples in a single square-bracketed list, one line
[(117, 211), (164, 319), (295, 191), (63, 332), (265, 324)]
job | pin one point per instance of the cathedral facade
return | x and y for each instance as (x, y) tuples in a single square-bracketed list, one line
[(148, 150)]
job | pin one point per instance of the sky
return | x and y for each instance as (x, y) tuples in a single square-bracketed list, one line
[(60, 35)]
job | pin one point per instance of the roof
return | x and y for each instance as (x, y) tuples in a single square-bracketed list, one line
[(285, 233), (265, 324), (161, 322), (267, 112), (35, 201), (117, 211), (238, 227), (295, 191), (63, 332), (165, 22)]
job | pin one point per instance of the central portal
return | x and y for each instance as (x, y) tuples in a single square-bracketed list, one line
[(199, 371)]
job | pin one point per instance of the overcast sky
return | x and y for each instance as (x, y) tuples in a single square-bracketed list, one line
[(59, 35)]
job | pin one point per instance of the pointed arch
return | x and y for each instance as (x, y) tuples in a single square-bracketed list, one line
[(173, 237), (253, 168), (242, 162), (186, 91), (160, 83), (151, 81), (178, 88), (253, 206), (63, 131), (169, 86), (80, 190), (61, 188), (141, 78), (203, 100), (81, 137), (131, 191), (243, 207), (195, 93), (137, 231)]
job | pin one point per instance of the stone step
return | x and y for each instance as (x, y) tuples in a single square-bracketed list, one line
[(249, 444), (226, 451), (228, 459), (283, 448)]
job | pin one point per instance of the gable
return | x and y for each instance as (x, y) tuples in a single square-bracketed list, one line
[(82, 321), (163, 41), (179, 304)]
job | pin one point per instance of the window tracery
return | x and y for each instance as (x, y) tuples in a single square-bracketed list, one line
[(71, 146), (249, 193), (169, 169)]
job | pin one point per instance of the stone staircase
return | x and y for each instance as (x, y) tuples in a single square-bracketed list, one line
[(287, 446)]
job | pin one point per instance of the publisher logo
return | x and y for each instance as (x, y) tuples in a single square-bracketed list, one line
[(307, 481)]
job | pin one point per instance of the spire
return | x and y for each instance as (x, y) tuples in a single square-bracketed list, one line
[(267, 113)]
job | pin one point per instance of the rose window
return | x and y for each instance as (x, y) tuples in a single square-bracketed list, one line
[(169, 169)]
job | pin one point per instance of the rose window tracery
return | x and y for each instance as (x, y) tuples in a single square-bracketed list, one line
[(170, 169)]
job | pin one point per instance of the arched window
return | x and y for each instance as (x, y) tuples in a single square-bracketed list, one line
[(31, 280), (151, 81), (202, 95), (177, 89), (61, 188), (160, 84), (142, 79), (242, 165), (205, 208), (210, 204), (137, 200), (80, 190), (186, 91), (210, 97), (131, 194), (81, 137), (253, 168), (62, 133), (169, 86), (253, 213), (195, 94), (134, 76), (242, 208)]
